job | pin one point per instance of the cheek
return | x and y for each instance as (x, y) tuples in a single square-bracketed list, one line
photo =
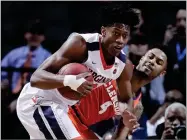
[(155, 74), (111, 39), (140, 66), (142, 62), (159, 70), (167, 123), (107, 39)]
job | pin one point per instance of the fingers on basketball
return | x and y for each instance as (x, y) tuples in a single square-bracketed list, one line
[(83, 75)]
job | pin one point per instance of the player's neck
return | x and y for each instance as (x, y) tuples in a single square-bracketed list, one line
[(138, 81), (109, 59)]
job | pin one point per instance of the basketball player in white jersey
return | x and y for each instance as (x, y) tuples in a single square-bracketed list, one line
[(41, 108)]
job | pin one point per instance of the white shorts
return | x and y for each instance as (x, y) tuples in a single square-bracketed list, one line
[(45, 114)]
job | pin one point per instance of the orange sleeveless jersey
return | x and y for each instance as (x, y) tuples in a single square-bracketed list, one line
[(101, 104)]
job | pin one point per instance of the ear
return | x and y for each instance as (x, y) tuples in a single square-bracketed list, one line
[(162, 73), (103, 31), (27, 35)]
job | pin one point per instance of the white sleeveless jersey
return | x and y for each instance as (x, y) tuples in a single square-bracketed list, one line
[(100, 71), (96, 64)]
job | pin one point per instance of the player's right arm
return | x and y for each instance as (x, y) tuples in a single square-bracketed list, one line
[(73, 50)]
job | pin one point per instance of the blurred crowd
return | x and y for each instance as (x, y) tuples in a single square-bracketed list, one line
[(159, 99)]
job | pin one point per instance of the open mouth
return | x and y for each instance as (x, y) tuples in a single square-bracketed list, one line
[(118, 48), (148, 67)]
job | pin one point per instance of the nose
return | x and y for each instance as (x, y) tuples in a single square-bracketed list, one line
[(152, 61), (120, 40)]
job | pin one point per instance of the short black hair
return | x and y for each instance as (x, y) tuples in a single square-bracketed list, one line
[(117, 12)]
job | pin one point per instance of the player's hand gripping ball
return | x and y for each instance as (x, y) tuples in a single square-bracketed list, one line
[(79, 72)]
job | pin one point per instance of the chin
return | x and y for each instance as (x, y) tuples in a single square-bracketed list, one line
[(143, 74), (117, 54), (147, 73), (113, 54)]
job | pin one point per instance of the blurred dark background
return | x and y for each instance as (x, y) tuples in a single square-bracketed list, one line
[(63, 18)]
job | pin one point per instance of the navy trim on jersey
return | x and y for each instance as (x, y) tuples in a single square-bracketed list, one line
[(122, 57), (39, 121), (49, 115), (94, 46)]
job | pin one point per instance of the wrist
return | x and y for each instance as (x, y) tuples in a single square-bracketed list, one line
[(72, 82), (122, 107)]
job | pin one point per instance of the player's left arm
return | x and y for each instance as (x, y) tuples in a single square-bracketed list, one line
[(124, 85), (125, 96), (138, 110), (122, 130)]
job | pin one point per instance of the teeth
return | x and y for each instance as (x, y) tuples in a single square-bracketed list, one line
[(117, 47), (149, 67)]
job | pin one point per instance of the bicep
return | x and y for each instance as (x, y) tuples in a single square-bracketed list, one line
[(73, 50), (53, 63)]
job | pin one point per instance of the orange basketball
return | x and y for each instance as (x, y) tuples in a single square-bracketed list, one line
[(72, 69)]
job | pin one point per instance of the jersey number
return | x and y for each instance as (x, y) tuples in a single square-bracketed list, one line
[(104, 106)]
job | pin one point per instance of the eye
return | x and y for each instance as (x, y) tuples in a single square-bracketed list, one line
[(151, 56), (171, 119), (124, 35), (116, 33), (160, 62)]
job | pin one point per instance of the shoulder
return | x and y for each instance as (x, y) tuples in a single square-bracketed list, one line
[(92, 41), (76, 39), (129, 67), (122, 56), (128, 62), (127, 71), (74, 48), (90, 37), (18, 50)]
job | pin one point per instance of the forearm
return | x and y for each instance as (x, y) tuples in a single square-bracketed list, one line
[(156, 116), (46, 80), (121, 131), (130, 105), (126, 94), (154, 119)]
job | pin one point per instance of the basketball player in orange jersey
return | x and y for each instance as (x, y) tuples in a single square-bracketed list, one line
[(43, 111), (102, 103)]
